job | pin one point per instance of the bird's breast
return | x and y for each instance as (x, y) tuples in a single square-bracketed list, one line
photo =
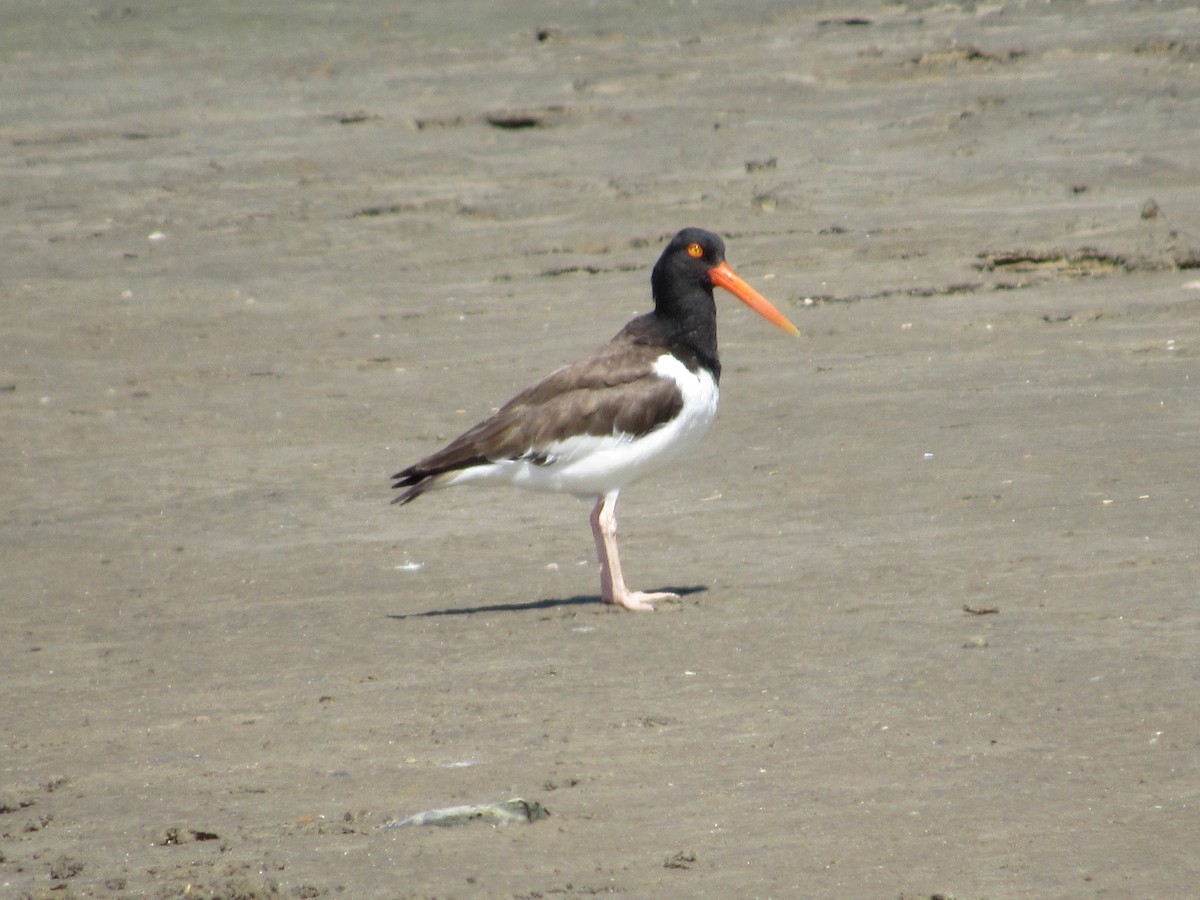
[(700, 395)]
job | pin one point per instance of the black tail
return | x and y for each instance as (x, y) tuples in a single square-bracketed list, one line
[(417, 483)]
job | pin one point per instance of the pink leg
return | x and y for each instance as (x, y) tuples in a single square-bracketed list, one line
[(612, 582)]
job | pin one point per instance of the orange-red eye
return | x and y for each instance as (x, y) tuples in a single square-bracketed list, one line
[(695, 250)]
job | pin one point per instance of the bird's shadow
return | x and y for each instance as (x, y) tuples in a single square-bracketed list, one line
[(532, 605)]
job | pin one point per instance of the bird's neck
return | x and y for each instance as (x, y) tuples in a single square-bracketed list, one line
[(688, 325)]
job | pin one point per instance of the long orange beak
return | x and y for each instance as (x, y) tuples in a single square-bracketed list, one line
[(723, 276)]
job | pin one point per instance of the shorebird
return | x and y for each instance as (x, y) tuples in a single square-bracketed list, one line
[(634, 406)]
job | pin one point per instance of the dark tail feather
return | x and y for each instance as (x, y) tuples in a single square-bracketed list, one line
[(433, 471), (416, 482)]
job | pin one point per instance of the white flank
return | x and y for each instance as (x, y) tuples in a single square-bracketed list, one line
[(591, 465)]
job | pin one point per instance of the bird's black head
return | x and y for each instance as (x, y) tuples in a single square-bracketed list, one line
[(685, 265), (683, 281), (687, 261)]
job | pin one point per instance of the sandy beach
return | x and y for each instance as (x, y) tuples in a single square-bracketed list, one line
[(940, 625)]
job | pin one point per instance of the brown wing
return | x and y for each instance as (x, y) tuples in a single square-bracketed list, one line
[(616, 390)]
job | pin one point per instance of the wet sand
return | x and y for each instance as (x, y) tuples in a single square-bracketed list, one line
[(940, 630)]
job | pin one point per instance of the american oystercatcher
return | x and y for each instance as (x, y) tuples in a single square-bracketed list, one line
[(592, 427)]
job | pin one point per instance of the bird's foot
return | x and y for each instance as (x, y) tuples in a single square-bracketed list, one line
[(638, 601)]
